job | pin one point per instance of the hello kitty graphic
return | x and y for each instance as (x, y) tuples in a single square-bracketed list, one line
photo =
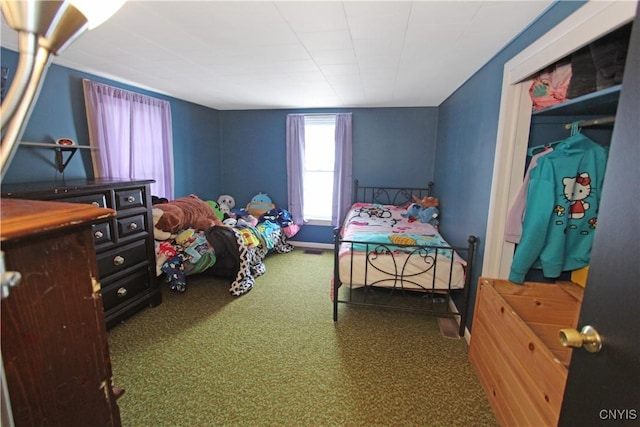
[(576, 190)]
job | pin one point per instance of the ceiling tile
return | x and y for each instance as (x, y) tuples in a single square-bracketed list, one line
[(297, 54)]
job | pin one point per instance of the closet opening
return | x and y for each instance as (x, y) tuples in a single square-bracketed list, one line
[(574, 104), (518, 122)]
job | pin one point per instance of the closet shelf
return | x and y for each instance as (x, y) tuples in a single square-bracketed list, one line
[(602, 102), (61, 164)]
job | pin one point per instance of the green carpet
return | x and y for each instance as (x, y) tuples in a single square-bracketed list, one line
[(274, 357)]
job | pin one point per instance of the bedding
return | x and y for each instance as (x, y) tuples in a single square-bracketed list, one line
[(381, 247), (386, 255), (234, 252)]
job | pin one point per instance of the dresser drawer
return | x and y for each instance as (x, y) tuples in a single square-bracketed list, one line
[(102, 233), (123, 290), (127, 199), (131, 225), (123, 244), (121, 258), (98, 199)]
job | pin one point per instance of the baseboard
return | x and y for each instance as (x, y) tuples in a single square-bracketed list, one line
[(311, 245)]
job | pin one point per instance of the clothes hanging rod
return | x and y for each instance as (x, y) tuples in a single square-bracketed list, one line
[(593, 122)]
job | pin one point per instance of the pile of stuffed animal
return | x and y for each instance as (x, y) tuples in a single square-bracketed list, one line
[(193, 235), (190, 229), (259, 209), (235, 217), (179, 214), (424, 210)]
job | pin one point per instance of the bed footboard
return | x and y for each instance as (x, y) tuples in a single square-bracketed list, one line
[(402, 276)]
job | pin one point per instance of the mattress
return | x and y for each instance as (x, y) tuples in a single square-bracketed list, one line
[(381, 247)]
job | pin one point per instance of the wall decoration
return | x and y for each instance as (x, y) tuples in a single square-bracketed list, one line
[(65, 141)]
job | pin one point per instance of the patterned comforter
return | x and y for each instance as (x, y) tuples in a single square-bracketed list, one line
[(382, 247)]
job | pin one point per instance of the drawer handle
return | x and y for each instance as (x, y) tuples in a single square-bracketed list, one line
[(122, 292), (96, 204), (131, 199), (133, 226), (118, 260), (98, 235)]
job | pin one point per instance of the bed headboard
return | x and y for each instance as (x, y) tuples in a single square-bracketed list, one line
[(398, 196)]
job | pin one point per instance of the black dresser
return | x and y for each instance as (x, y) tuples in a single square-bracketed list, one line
[(124, 244)]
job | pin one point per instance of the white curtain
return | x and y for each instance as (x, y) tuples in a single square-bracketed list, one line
[(132, 134), (295, 166)]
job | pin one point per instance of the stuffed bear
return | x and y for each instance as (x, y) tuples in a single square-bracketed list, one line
[(427, 201), (226, 203), (429, 213), (413, 212), (186, 212), (430, 216), (424, 210), (157, 233)]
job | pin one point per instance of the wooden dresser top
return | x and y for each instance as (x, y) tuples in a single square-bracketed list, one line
[(23, 218), (24, 190)]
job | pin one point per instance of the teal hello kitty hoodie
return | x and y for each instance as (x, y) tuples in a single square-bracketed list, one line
[(562, 207)]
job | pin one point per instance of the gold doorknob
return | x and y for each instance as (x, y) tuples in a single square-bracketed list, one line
[(588, 338)]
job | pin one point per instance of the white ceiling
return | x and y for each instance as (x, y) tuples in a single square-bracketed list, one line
[(298, 54)]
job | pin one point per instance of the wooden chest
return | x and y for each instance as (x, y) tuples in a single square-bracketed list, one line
[(515, 349), (55, 353)]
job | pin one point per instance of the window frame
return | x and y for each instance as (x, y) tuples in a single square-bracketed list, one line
[(321, 119)]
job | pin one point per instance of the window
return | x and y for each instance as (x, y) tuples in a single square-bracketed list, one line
[(319, 159), (324, 161)]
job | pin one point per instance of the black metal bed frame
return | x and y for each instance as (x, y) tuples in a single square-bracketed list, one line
[(391, 292)]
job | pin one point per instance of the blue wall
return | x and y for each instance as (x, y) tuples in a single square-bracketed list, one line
[(60, 112), (240, 153), (391, 146), (467, 132)]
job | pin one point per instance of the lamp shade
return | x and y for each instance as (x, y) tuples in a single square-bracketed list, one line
[(97, 11), (44, 28)]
